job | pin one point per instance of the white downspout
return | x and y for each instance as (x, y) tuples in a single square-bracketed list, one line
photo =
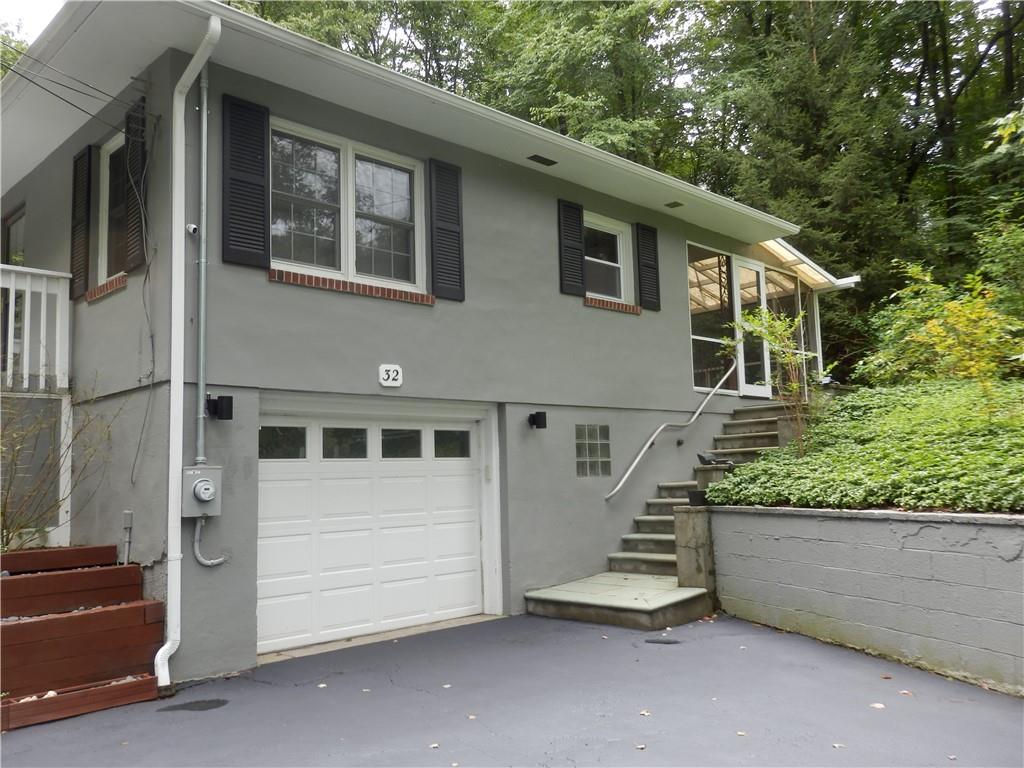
[(176, 426)]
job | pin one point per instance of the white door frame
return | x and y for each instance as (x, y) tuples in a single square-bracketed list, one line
[(322, 406), (746, 389)]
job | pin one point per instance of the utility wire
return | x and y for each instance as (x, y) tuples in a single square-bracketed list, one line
[(65, 74)]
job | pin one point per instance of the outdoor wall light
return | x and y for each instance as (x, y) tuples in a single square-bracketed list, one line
[(538, 420), (221, 407)]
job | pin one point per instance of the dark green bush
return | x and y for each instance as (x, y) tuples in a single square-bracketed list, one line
[(936, 445)]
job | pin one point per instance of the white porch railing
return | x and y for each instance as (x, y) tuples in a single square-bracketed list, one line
[(36, 327)]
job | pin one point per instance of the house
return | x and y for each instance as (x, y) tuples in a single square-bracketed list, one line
[(383, 349)]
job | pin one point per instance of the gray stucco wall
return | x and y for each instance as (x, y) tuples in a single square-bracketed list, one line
[(941, 591)]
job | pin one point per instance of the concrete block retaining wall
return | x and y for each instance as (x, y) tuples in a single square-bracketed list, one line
[(940, 591)]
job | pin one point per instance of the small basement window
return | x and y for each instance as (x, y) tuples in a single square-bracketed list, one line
[(593, 451)]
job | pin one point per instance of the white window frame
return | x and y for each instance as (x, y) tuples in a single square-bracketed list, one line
[(347, 151), (624, 235), (109, 148)]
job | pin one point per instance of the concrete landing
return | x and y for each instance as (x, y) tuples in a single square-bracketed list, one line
[(637, 600)]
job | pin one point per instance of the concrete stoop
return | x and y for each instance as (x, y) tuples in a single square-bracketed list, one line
[(633, 600)]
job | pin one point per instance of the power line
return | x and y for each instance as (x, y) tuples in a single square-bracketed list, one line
[(65, 74)]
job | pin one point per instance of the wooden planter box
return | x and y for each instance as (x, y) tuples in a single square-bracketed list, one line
[(75, 700), (57, 558), (36, 594), (69, 649)]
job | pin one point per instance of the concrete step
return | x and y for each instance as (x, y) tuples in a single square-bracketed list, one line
[(663, 543), (743, 426), (643, 562), (708, 474), (655, 523), (638, 601), (775, 409), (677, 489), (748, 440), (739, 455), (665, 506)]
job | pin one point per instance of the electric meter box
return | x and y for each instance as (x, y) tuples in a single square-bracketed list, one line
[(200, 491)]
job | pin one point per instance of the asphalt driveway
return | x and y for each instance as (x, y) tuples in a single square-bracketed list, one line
[(532, 691)]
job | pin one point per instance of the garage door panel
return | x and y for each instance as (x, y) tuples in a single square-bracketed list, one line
[(290, 617), (284, 556), (456, 539), (345, 550), (346, 609), (458, 591), (286, 499), (345, 498), (350, 547)]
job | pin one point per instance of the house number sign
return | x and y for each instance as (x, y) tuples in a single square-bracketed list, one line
[(390, 375)]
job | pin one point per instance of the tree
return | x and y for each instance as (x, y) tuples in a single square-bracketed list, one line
[(12, 45)]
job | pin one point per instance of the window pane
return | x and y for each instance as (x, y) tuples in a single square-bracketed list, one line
[(302, 248), (601, 245), (282, 442), (15, 240), (344, 443), (603, 278), (451, 443), (383, 190), (400, 444), (384, 250), (593, 450), (710, 302), (581, 469), (709, 365)]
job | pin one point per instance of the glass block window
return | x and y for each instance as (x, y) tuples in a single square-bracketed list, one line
[(384, 220), (304, 201), (282, 442), (593, 451)]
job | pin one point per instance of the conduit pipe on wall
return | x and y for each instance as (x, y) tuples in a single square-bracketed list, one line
[(176, 426)]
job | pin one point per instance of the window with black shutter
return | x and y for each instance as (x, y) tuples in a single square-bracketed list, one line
[(447, 266)]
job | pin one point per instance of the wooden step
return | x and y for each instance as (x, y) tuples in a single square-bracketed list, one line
[(36, 594), (75, 700), (67, 649), (57, 558)]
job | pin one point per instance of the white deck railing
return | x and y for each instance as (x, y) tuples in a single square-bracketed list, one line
[(36, 328)]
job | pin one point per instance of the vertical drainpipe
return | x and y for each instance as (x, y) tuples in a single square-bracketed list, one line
[(204, 85), (176, 426)]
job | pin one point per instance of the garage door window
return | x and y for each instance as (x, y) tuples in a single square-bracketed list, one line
[(282, 442), (344, 443), (400, 444), (451, 443)]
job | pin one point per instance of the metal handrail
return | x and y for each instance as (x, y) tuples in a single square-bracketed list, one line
[(669, 425)]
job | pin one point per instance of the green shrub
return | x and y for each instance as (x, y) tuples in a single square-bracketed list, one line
[(955, 445)]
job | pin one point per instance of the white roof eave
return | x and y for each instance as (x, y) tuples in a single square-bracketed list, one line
[(363, 86)]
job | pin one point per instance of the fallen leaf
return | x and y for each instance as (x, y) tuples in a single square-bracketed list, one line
[(455, 765), (321, 685), (668, 629), (641, 747), (435, 746), (366, 690), (951, 757), (887, 677), (741, 733), (604, 637), (471, 717), (743, 647), (124, 743), (645, 713), (838, 746), (447, 685), (906, 693), (714, 698), (876, 705)]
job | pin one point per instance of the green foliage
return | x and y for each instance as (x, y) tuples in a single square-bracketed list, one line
[(10, 35), (1001, 251), (930, 331), (939, 445)]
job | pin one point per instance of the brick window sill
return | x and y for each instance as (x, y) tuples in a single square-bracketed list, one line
[(612, 306), (111, 285), (347, 286)]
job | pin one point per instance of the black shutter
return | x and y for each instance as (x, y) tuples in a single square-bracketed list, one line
[(246, 183), (81, 209), (647, 281), (135, 190), (447, 267), (570, 248)]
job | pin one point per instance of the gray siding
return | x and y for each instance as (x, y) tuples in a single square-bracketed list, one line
[(940, 591)]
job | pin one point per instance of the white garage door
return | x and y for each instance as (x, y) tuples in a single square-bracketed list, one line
[(365, 527)]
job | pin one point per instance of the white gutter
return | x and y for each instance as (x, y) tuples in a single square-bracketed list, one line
[(176, 427), (841, 284)]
